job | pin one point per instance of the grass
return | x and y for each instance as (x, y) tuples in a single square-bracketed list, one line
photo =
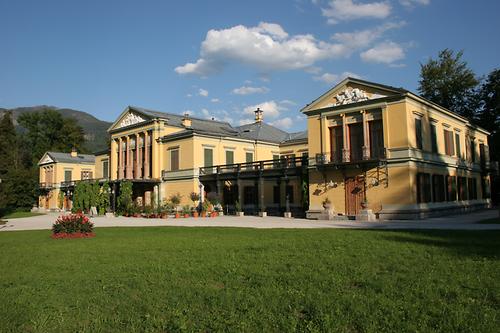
[(20, 214), (171, 279)]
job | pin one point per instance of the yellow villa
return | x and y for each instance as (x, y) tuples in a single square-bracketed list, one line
[(370, 151)]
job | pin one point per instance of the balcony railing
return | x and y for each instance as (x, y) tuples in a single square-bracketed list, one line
[(68, 183), (276, 164), (46, 185), (347, 156)]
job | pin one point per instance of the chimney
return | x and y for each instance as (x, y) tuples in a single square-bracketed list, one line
[(258, 115), (186, 121), (74, 153)]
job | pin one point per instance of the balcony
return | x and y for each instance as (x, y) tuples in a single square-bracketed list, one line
[(46, 186), (276, 167), (346, 156)]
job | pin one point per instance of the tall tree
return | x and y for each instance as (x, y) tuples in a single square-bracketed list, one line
[(449, 82), (48, 130), (8, 147), (489, 111)]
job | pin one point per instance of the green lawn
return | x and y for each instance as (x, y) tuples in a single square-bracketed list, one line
[(19, 214), (244, 280)]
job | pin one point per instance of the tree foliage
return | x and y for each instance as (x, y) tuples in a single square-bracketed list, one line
[(48, 130), (449, 82), (489, 110), (125, 197)]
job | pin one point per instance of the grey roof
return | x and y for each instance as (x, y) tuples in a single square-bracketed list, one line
[(197, 124), (297, 136), (67, 158), (262, 132), (255, 131)]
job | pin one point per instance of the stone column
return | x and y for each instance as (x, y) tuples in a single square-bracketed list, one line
[(121, 166), (366, 138), (137, 174), (346, 157), (129, 159), (261, 194), (146, 155)]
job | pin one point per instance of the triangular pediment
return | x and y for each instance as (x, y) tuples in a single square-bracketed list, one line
[(46, 159), (128, 118), (351, 91)]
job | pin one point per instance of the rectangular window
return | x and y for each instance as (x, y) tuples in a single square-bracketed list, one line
[(451, 188), (356, 141), (249, 195), (418, 133), (462, 188), (472, 188), (276, 161), (434, 145), (423, 187), (438, 191), (457, 145), (376, 139), (105, 169), (84, 175), (472, 150), (448, 143), (208, 155), (336, 144), (249, 159), (174, 159), (229, 157), (67, 175)]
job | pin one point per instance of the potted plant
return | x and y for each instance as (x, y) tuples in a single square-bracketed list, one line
[(237, 206), (327, 204), (263, 212), (186, 210), (195, 197), (194, 211), (206, 207), (175, 199)]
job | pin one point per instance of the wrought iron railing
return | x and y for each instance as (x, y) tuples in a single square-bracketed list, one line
[(46, 185), (346, 156), (275, 164)]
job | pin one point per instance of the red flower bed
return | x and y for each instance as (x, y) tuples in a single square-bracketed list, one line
[(72, 226), (63, 235)]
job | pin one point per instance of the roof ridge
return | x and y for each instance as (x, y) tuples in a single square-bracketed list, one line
[(179, 115)]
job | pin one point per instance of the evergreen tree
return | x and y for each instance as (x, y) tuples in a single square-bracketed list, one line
[(8, 144), (489, 111), (449, 82)]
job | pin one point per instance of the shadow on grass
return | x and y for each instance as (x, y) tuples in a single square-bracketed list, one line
[(461, 243)]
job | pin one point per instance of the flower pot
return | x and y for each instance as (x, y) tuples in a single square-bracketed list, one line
[(240, 214), (177, 215), (203, 214), (195, 214), (186, 215)]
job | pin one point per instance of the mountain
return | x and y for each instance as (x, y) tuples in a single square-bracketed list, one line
[(95, 130)]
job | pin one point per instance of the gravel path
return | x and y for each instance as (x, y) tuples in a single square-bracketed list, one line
[(456, 222)]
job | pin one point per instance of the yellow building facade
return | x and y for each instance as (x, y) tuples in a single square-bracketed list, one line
[(368, 149), (386, 150)]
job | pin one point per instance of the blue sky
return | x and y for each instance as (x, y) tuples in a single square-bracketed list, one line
[(222, 58)]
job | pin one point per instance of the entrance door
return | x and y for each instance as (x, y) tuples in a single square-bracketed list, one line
[(354, 194)]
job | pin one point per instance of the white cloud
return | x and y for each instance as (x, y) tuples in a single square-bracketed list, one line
[(288, 102), (271, 109), (215, 100), (386, 52), (363, 38), (284, 123), (346, 10), (247, 90), (330, 78), (266, 47), (413, 3), (203, 92), (205, 113), (189, 95)]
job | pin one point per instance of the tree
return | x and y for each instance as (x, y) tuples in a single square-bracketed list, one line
[(8, 144), (48, 130), (489, 111), (449, 82)]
